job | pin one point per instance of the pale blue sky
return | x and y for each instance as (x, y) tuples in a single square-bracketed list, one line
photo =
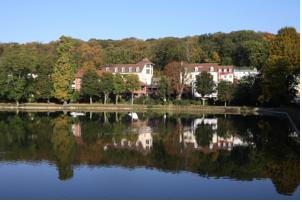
[(44, 21)]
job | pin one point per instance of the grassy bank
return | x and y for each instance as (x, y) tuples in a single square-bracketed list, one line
[(126, 107)]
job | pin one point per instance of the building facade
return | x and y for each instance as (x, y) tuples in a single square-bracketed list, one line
[(143, 69)]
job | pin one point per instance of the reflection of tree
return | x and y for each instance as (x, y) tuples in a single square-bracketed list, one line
[(204, 134), (285, 175), (271, 154), (225, 127), (63, 146)]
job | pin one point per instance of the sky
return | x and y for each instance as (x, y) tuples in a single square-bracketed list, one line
[(44, 21)]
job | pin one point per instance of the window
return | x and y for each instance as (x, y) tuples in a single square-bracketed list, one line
[(196, 69), (130, 69), (115, 69), (147, 71), (219, 70), (225, 70), (147, 141), (107, 69), (212, 69), (123, 69), (148, 66), (137, 69), (230, 76), (230, 70)]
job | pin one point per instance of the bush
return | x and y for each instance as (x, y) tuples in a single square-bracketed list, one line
[(182, 102)]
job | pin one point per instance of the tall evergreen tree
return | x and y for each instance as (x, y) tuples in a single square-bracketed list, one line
[(64, 71)]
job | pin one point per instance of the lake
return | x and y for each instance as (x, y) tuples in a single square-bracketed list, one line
[(147, 156)]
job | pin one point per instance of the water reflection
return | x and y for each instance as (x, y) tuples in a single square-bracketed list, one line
[(241, 148)]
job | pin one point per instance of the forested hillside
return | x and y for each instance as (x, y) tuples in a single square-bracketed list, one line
[(240, 48)]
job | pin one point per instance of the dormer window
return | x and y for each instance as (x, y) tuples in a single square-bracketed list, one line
[(196, 69), (230, 70), (137, 69), (115, 69), (211, 69), (224, 70), (219, 70), (123, 69), (107, 69), (130, 69)]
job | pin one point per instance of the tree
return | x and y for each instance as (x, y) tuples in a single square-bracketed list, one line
[(118, 86), (17, 65), (225, 91), (168, 50), (64, 71), (164, 88), (281, 71), (90, 85), (132, 84), (252, 54), (107, 85), (204, 133), (204, 85), (177, 74), (64, 147)]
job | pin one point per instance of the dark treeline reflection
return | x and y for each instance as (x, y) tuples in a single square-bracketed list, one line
[(237, 147)]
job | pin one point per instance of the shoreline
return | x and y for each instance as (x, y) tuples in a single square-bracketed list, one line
[(127, 107), (190, 109)]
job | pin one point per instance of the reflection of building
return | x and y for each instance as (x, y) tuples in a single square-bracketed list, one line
[(188, 137), (143, 142), (225, 143), (76, 131)]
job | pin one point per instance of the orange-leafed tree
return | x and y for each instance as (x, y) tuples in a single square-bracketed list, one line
[(177, 74)]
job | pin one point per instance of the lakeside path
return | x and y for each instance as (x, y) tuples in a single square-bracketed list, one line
[(293, 114)]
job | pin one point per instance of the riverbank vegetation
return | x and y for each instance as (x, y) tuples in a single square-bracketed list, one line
[(36, 72)]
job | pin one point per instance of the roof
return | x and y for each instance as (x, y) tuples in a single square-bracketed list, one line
[(82, 70), (127, 68), (206, 66)]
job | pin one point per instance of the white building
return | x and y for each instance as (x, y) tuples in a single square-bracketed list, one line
[(143, 69), (219, 73), (241, 72)]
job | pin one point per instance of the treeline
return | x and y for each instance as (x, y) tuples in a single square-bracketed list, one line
[(39, 72)]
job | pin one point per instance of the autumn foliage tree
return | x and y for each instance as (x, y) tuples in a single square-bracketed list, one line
[(177, 74), (64, 71)]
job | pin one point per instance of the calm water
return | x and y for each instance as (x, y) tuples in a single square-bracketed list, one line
[(156, 156)]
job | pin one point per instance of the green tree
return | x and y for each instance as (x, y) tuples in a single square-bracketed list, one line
[(204, 85), (64, 71), (164, 88), (17, 67), (252, 54), (64, 147), (107, 85), (132, 84), (203, 134), (282, 69), (226, 91), (90, 85), (118, 86)]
